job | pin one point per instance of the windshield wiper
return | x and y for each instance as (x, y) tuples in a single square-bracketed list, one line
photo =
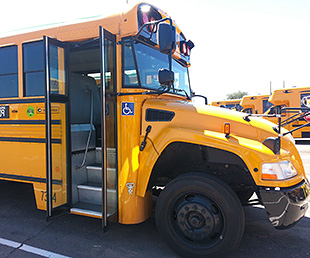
[(181, 90), (157, 92)]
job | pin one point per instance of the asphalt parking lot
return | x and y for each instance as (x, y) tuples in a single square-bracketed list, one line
[(24, 232)]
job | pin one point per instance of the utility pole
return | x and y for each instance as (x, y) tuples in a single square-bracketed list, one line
[(270, 88)]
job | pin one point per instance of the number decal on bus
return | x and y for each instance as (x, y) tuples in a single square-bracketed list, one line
[(44, 196)]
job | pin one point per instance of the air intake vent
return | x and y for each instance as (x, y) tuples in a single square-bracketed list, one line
[(156, 115)]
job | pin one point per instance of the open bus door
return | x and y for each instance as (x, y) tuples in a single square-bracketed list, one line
[(108, 125), (56, 116)]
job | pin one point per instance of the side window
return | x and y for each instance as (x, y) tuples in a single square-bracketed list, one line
[(8, 72), (130, 77), (277, 110), (248, 110), (33, 68), (266, 105)]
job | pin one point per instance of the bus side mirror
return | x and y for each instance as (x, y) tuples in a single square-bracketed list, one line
[(167, 37), (165, 77)]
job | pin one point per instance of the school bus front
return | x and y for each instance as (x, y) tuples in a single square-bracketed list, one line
[(103, 150)]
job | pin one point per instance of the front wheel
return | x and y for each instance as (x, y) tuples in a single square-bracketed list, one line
[(199, 216)]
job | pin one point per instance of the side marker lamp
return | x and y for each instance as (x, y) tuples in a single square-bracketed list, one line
[(227, 129)]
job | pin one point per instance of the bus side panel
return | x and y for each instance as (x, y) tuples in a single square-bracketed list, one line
[(23, 149), (132, 207)]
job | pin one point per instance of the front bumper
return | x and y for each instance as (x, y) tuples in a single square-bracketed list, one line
[(287, 205)]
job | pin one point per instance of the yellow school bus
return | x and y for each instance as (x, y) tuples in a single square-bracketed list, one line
[(103, 150), (233, 104), (289, 99), (255, 104)]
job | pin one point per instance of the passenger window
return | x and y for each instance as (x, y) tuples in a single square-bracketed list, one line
[(33, 68), (8, 72), (130, 77)]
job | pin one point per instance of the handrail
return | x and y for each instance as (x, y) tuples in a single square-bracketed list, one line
[(90, 130)]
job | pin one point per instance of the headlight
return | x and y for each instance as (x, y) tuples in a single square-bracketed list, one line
[(278, 171)]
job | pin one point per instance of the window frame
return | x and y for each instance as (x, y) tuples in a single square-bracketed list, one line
[(12, 74), (34, 71)]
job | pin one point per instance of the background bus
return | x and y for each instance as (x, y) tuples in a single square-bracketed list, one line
[(258, 104), (233, 104), (291, 97)]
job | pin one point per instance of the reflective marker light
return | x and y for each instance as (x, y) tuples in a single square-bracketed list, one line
[(227, 129)]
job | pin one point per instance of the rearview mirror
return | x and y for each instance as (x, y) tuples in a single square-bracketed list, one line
[(167, 37), (165, 77)]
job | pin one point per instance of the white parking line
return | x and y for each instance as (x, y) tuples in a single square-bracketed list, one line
[(31, 249)]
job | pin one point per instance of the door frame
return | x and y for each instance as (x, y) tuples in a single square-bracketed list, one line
[(64, 99), (104, 34)]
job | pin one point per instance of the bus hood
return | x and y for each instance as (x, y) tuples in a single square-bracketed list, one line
[(181, 121), (210, 118)]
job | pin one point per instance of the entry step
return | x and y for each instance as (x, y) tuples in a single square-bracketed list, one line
[(111, 157), (94, 174), (91, 192), (90, 210), (87, 209)]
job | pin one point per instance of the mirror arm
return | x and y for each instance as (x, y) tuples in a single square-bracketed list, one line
[(201, 96), (170, 60), (150, 23)]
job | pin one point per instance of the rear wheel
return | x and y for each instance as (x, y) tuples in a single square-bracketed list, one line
[(199, 215)]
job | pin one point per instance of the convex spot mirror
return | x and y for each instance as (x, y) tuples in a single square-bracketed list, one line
[(167, 37), (165, 77)]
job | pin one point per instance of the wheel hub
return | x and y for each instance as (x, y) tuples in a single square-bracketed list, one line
[(196, 220)]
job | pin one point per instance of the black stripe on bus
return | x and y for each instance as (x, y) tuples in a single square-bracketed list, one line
[(29, 178), (301, 124), (32, 140), (21, 101), (28, 122)]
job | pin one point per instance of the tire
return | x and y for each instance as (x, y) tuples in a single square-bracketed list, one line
[(245, 195), (199, 215)]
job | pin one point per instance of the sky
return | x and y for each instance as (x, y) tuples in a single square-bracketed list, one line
[(248, 45)]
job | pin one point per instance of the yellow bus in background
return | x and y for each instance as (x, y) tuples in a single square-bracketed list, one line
[(98, 116), (233, 104), (290, 98), (258, 104)]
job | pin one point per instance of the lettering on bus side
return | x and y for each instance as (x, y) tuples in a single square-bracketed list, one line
[(4, 112)]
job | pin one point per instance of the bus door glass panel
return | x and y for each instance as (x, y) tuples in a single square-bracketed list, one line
[(57, 131), (109, 150), (110, 84)]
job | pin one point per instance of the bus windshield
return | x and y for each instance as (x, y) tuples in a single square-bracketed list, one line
[(144, 72)]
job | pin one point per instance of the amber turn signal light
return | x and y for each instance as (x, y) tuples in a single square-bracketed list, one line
[(227, 129)]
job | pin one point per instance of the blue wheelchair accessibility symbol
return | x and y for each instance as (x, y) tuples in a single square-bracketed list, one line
[(128, 108)]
